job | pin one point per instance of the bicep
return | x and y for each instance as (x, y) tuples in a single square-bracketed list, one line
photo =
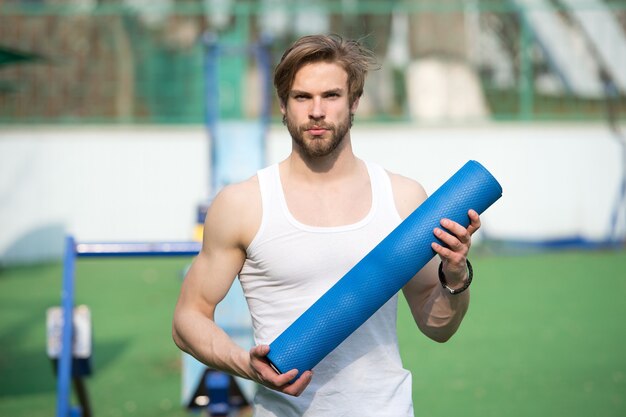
[(208, 280), (213, 271)]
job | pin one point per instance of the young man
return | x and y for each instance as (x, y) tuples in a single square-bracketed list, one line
[(290, 232)]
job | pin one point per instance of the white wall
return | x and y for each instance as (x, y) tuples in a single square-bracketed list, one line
[(98, 184), (144, 183)]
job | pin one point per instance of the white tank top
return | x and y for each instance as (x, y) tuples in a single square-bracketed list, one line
[(289, 266)]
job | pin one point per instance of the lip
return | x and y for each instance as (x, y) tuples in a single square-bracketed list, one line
[(316, 131)]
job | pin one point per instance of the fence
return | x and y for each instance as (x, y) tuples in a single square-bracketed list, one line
[(441, 61)]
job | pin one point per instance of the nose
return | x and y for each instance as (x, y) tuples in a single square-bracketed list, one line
[(316, 111)]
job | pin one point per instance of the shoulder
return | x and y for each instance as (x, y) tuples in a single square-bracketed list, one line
[(235, 213), (234, 195), (408, 194)]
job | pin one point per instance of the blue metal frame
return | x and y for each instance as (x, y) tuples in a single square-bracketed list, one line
[(136, 249), (64, 376), (223, 143), (211, 94), (96, 249), (213, 51)]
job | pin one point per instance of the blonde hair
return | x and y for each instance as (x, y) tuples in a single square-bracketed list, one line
[(354, 58)]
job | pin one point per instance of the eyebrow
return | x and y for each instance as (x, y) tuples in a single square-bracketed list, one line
[(294, 93), (334, 91)]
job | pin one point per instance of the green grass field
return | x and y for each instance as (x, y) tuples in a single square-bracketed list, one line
[(544, 336)]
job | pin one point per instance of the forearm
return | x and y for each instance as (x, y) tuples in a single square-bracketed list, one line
[(442, 313), (199, 336)]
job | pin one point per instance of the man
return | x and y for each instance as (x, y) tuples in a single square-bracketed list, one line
[(295, 228)]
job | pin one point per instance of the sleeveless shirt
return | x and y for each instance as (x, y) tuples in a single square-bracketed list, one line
[(289, 266)]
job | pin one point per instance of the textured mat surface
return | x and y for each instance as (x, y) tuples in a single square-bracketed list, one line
[(382, 272)]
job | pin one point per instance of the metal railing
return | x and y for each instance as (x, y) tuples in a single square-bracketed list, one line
[(113, 63), (66, 369)]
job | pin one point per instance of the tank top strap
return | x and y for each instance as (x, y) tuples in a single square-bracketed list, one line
[(269, 182), (381, 186)]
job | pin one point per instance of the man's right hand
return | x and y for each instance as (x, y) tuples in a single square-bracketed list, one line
[(267, 376)]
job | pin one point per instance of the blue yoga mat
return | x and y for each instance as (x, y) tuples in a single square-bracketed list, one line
[(382, 272)]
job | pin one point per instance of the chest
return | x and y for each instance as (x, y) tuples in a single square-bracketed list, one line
[(309, 263), (329, 205)]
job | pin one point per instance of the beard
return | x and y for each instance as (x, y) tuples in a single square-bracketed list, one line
[(318, 147)]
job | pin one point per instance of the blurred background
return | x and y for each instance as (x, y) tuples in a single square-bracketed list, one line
[(116, 118)]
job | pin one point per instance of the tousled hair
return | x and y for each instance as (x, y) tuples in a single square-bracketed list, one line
[(354, 58)]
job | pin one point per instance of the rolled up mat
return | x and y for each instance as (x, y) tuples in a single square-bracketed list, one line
[(382, 272)]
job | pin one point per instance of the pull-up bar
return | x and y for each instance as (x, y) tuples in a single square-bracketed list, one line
[(95, 249), (136, 249)]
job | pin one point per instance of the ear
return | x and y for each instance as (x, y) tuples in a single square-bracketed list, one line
[(283, 108)]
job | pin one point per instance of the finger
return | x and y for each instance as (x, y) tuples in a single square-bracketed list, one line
[(457, 230), (260, 351), (448, 255), (265, 373), (451, 241), (299, 385), (280, 380), (474, 222), (268, 376), (285, 382), (445, 246)]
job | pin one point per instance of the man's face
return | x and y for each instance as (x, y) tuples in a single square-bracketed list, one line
[(317, 111)]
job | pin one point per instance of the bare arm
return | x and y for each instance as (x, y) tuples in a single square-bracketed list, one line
[(230, 224), (208, 280), (436, 312)]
